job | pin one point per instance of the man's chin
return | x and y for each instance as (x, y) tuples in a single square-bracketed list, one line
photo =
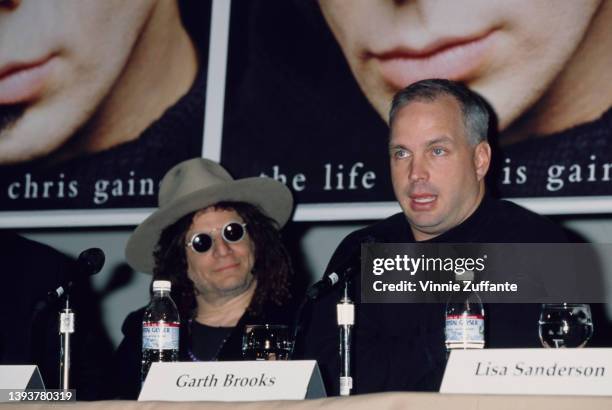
[(235, 288), (424, 221), (19, 146), (427, 227)]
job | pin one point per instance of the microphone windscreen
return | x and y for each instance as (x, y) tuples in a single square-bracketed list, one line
[(91, 261)]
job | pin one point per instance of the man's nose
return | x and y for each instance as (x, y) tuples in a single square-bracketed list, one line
[(418, 170), (220, 247)]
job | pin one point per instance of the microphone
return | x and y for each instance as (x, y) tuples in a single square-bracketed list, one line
[(89, 262), (342, 272)]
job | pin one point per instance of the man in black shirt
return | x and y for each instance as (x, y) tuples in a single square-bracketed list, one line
[(217, 240), (439, 156)]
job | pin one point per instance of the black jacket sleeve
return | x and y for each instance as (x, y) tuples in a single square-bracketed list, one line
[(124, 380)]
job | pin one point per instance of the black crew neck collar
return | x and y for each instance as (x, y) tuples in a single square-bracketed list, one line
[(196, 324)]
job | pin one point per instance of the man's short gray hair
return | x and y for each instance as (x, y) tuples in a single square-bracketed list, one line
[(473, 107)]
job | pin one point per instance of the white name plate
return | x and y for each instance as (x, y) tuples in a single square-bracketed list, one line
[(19, 378), (233, 381), (529, 371)]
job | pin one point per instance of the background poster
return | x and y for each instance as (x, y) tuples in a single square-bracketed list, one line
[(298, 90), (309, 84), (97, 101)]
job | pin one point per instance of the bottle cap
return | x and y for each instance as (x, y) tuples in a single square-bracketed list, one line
[(162, 285)]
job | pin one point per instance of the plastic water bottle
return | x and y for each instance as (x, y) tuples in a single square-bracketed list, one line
[(160, 328), (465, 322)]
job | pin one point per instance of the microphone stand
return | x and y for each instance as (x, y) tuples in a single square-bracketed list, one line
[(345, 311), (66, 328)]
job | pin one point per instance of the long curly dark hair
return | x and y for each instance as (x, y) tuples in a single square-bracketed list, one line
[(272, 267)]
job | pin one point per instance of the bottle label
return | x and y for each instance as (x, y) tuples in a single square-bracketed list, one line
[(465, 329), (160, 335)]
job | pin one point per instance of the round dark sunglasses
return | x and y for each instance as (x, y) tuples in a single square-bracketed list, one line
[(231, 232)]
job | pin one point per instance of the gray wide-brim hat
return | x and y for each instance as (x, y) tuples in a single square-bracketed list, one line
[(196, 184)]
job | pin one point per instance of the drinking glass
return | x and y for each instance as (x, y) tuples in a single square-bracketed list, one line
[(266, 342), (565, 325)]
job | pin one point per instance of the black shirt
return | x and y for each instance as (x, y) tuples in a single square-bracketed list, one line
[(205, 341), (401, 346)]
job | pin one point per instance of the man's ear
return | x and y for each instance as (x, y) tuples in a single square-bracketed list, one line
[(482, 159)]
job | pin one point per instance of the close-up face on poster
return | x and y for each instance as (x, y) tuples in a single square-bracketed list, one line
[(99, 99)]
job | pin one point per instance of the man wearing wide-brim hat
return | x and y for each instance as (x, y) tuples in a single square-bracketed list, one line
[(217, 240)]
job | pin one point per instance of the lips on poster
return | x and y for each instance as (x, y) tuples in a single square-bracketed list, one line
[(310, 84)]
